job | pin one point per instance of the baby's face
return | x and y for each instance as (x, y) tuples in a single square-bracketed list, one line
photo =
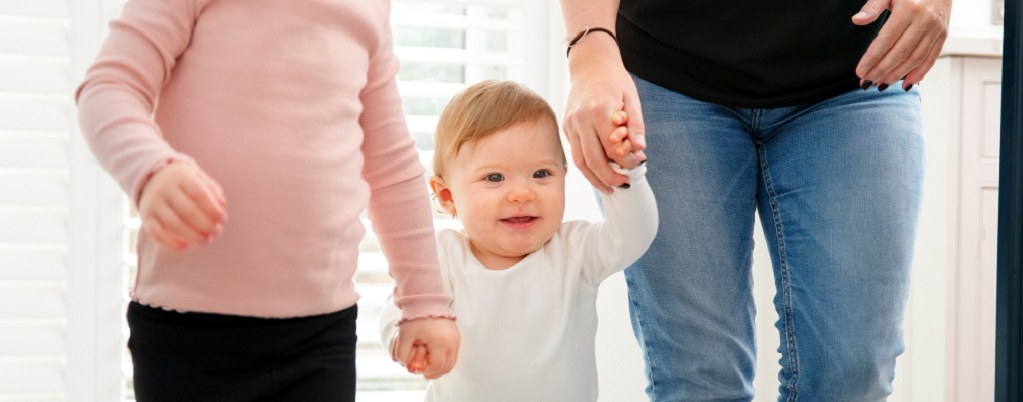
[(508, 190)]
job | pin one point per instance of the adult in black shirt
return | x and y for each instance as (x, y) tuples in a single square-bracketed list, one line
[(804, 110)]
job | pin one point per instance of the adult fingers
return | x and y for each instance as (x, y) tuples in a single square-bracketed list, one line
[(920, 71), (916, 58), (870, 11), (879, 48), (579, 160)]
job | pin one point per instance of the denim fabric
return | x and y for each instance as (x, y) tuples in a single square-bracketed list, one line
[(837, 185)]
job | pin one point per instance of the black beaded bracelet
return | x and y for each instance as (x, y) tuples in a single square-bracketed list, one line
[(582, 34)]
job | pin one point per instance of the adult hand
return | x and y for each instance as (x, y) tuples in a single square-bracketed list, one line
[(600, 88), (181, 206), (907, 45), (438, 336)]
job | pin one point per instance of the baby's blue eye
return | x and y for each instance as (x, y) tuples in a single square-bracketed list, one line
[(494, 177), (541, 174)]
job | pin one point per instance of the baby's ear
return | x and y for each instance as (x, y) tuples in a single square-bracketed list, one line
[(443, 194)]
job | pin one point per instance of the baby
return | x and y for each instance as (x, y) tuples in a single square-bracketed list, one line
[(522, 283)]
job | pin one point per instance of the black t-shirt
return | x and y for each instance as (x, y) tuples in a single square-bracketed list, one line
[(745, 53)]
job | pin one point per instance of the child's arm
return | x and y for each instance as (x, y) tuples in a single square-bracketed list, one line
[(630, 222), (115, 107), (399, 209)]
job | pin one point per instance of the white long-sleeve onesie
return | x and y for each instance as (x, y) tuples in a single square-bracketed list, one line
[(528, 331)]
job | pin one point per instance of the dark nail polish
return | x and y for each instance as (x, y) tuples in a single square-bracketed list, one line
[(642, 162), (625, 186), (882, 87), (866, 84), (909, 87)]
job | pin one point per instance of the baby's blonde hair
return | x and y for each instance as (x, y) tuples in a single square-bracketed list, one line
[(484, 109)]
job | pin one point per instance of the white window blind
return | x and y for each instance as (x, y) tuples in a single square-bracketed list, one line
[(53, 346), (34, 200)]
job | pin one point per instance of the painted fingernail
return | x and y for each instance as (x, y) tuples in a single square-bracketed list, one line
[(909, 87), (866, 84), (642, 162), (881, 87), (625, 186)]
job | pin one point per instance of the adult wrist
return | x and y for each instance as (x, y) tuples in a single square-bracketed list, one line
[(578, 37)]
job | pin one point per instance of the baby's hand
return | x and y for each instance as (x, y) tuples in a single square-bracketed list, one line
[(181, 206), (620, 135), (427, 345)]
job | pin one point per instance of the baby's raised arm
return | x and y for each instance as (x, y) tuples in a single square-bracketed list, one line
[(630, 222)]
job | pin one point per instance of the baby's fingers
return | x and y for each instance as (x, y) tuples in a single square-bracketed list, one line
[(619, 118), (619, 134), (439, 365), (419, 359)]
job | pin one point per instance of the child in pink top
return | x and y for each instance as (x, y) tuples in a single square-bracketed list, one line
[(284, 116)]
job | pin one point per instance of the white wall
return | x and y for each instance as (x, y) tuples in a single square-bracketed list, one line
[(973, 17)]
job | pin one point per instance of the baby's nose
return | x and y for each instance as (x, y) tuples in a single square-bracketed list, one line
[(521, 194)]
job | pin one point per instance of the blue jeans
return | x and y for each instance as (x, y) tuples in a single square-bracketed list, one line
[(838, 187)]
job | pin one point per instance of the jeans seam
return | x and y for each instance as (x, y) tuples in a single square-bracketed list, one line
[(645, 348), (790, 339)]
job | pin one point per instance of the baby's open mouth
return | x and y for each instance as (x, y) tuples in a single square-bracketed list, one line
[(520, 219)]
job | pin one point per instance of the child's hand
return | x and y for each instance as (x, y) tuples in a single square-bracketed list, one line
[(427, 345), (418, 363), (620, 136), (181, 206)]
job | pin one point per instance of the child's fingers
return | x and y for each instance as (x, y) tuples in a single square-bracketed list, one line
[(440, 363), (214, 187), (419, 360), (192, 213), (620, 133), (205, 198), (624, 148), (159, 234), (403, 351), (176, 225), (619, 117)]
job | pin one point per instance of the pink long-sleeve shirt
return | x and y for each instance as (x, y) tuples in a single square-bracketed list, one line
[(293, 108)]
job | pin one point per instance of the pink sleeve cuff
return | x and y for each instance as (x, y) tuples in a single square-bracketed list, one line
[(424, 306)]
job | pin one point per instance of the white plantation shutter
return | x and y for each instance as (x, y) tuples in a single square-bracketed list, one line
[(445, 46), (58, 307)]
